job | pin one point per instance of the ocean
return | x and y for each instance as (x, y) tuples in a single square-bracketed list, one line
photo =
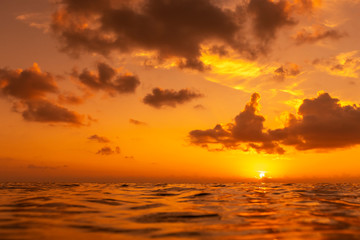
[(179, 211)]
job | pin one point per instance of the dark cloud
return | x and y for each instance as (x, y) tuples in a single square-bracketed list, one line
[(247, 132), (287, 70), (28, 89), (136, 122), (26, 84), (169, 97), (317, 33), (219, 50), (321, 123), (99, 139), (158, 25), (171, 28), (45, 111), (107, 80), (108, 151), (269, 17)]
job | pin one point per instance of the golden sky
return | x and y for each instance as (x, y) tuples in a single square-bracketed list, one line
[(179, 90)]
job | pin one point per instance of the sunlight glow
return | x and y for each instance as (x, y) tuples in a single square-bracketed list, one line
[(261, 174), (233, 65)]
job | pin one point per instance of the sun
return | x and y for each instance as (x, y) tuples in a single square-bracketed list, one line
[(261, 174)]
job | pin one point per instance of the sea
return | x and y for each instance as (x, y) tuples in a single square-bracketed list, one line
[(52, 211)]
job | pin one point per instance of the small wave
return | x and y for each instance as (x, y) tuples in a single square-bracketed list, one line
[(148, 206), (174, 217)]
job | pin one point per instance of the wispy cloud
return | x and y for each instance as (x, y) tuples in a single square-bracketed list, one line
[(36, 20), (316, 33), (345, 64)]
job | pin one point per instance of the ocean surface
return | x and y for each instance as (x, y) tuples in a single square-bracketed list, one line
[(179, 211)]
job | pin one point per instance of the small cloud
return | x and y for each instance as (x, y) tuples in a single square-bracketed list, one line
[(287, 70), (27, 84), (316, 33), (136, 122), (169, 97), (199, 107), (193, 63), (45, 111), (108, 80), (108, 151), (129, 157), (99, 139)]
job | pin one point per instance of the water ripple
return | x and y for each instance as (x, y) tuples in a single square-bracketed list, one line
[(252, 211)]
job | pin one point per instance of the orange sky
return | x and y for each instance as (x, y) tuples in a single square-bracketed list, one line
[(179, 90)]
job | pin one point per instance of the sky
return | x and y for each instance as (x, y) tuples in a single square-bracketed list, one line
[(179, 90)]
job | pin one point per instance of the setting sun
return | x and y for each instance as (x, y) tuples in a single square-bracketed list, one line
[(261, 174)]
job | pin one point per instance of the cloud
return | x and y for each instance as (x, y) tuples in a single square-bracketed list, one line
[(269, 17), (107, 80), (27, 84), (287, 70), (321, 123), (169, 97), (199, 107), (171, 28), (136, 122), (45, 111), (36, 20), (247, 132), (150, 25), (316, 33), (99, 139), (28, 89), (69, 98), (345, 64), (108, 151)]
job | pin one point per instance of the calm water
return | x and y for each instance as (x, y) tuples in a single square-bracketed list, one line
[(179, 211)]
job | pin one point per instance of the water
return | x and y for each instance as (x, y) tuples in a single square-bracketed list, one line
[(179, 211)]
